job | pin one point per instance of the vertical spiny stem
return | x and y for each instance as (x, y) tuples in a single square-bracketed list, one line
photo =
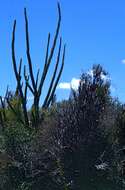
[(28, 51), (18, 77), (54, 75), (51, 52), (57, 80)]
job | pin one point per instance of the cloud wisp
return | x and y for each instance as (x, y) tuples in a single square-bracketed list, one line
[(64, 85), (74, 84)]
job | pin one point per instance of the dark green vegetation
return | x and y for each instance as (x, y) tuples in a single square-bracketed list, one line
[(75, 144)]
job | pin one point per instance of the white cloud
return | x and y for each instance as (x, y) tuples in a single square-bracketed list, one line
[(75, 83), (64, 85), (123, 61), (68, 85)]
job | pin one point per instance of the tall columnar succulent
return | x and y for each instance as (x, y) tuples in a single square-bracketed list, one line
[(36, 85)]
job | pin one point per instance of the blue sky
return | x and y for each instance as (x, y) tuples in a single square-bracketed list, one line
[(94, 32)]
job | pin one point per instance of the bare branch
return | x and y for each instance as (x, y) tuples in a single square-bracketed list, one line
[(18, 78), (37, 78), (28, 51), (54, 75), (51, 52), (57, 80)]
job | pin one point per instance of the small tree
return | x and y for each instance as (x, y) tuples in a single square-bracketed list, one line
[(79, 138)]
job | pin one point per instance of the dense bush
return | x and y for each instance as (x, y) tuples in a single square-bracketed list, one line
[(78, 145), (85, 131)]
